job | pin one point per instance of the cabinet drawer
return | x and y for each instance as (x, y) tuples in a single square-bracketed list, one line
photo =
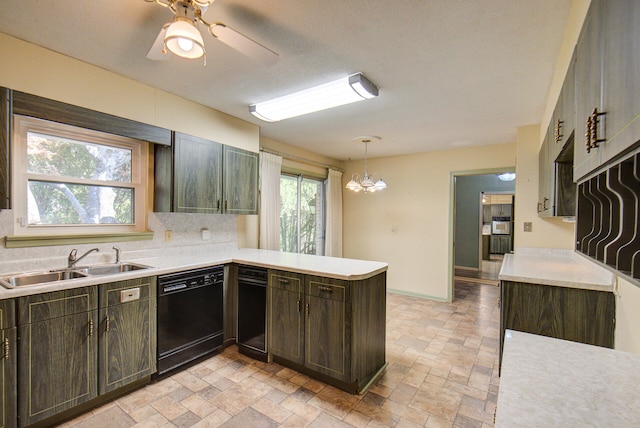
[(327, 290), (286, 281), (116, 293), (7, 313), (45, 306)]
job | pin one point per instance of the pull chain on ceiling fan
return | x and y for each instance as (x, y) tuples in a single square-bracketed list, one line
[(183, 38)]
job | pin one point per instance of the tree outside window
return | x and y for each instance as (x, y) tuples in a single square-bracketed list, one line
[(301, 215)]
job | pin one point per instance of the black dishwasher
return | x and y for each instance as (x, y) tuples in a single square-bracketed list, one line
[(252, 311), (190, 316)]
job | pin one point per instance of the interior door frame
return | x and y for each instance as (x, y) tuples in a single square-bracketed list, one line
[(452, 216)]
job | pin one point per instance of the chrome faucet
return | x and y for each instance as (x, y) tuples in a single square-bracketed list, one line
[(117, 254), (72, 260)]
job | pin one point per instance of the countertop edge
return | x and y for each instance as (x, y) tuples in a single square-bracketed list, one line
[(372, 269)]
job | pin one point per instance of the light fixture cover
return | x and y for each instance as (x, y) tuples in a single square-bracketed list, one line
[(183, 39), (507, 176), (339, 92)]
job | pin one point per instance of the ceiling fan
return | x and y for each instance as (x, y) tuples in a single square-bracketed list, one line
[(182, 37)]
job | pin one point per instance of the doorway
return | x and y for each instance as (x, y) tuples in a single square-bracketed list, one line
[(482, 219)]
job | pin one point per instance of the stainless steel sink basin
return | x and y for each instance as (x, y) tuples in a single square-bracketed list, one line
[(33, 278), (110, 269)]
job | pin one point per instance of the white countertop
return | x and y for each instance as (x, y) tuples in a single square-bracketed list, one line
[(331, 267), (563, 268), (549, 382)]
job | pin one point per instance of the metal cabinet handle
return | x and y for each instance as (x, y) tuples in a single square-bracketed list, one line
[(283, 281), (306, 309), (591, 134), (326, 289), (299, 306), (544, 204), (6, 348), (558, 131), (218, 205), (106, 324), (226, 204), (539, 208), (91, 327)]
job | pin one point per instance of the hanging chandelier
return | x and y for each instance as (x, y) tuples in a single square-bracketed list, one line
[(367, 183)]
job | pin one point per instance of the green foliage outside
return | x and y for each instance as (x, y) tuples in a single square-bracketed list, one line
[(310, 202), (63, 202)]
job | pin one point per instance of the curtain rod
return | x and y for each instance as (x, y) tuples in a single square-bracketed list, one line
[(301, 159)]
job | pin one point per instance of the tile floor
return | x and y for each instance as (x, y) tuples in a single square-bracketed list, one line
[(442, 372), (488, 274)]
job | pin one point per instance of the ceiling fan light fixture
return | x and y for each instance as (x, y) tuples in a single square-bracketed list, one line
[(183, 39), (339, 92)]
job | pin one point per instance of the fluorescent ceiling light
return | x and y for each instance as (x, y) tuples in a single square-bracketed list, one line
[(339, 92)]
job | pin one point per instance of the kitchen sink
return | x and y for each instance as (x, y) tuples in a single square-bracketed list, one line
[(110, 269), (35, 278)]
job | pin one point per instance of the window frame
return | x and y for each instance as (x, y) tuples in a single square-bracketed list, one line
[(20, 177)]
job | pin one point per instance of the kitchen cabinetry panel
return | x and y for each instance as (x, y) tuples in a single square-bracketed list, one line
[(545, 179), (197, 175), (327, 328), (8, 364), (621, 78), (585, 316), (240, 181), (588, 88), (501, 210), (326, 323), (286, 329), (500, 244), (127, 333), (58, 352), (5, 142)]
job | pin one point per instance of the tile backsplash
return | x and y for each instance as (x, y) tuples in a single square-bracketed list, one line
[(186, 237)]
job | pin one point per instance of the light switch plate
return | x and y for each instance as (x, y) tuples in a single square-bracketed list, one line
[(527, 226), (130, 295)]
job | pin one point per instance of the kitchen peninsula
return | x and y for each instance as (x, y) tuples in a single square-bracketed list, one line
[(340, 303)]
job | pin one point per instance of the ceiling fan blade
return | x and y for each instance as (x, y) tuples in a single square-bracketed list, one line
[(157, 52), (243, 44)]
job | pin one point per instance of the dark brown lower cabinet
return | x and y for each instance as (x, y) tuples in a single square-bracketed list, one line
[(330, 329), (76, 345), (8, 366), (58, 352), (579, 315), (127, 339)]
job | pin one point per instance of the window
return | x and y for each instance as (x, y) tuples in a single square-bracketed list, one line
[(70, 180), (301, 214)]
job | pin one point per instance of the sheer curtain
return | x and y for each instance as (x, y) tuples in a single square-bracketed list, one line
[(333, 234), (270, 166)]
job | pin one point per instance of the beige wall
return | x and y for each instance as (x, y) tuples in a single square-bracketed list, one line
[(409, 225), (32, 69)]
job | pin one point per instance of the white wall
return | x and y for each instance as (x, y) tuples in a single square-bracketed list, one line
[(409, 225)]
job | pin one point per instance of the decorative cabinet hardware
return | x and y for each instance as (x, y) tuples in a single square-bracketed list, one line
[(6, 348), (326, 289), (557, 132), (306, 309), (539, 208), (299, 306), (591, 135), (544, 204), (106, 324), (91, 327), (283, 281)]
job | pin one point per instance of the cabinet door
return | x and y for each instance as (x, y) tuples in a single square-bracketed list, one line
[(621, 79), (286, 321), (197, 174), (240, 181), (328, 338), (57, 368), (8, 364), (545, 180), (58, 352), (127, 344), (556, 130), (8, 377), (588, 87), (568, 115)]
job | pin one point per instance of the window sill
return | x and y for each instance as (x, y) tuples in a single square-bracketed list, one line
[(49, 240)]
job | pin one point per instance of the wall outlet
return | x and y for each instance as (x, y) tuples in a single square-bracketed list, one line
[(527, 226), (168, 235), (206, 235)]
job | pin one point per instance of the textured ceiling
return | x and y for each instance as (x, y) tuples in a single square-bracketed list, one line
[(451, 73)]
